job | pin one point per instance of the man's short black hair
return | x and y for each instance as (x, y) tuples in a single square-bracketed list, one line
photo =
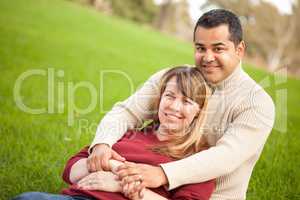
[(217, 17)]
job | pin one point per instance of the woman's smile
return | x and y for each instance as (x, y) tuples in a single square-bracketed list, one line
[(173, 116)]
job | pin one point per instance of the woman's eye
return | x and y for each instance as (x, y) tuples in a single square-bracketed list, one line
[(169, 96), (187, 102)]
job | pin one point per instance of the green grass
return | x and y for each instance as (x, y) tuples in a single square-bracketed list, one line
[(57, 34)]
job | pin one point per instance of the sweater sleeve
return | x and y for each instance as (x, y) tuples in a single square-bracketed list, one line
[(66, 173), (129, 113), (243, 138), (199, 191)]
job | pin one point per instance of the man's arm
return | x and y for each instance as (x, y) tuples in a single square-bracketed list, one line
[(244, 138), (129, 113)]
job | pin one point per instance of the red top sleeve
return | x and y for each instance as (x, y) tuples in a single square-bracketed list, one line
[(66, 173)]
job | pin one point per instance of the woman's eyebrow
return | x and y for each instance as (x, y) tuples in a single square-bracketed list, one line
[(187, 98), (169, 91)]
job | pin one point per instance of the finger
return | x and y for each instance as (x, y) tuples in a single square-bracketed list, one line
[(142, 193), (129, 164), (117, 156), (84, 180), (90, 187), (97, 163), (127, 172), (133, 178), (130, 187), (125, 189), (123, 166), (139, 189), (133, 187), (88, 178), (84, 183), (104, 161), (91, 183), (88, 164), (92, 164), (122, 174)]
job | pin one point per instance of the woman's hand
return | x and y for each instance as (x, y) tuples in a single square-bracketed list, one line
[(127, 191), (148, 176), (103, 181)]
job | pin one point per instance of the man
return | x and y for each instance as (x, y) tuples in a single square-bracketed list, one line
[(240, 116)]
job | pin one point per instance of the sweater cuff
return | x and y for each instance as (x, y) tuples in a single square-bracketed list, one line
[(172, 183), (97, 140)]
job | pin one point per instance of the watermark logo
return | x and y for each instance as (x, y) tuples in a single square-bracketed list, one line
[(61, 96), (57, 96)]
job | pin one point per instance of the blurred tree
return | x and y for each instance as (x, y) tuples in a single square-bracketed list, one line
[(164, 11), (294, 66), (142, 11), (268, 33), (137, 10), (174, 18)]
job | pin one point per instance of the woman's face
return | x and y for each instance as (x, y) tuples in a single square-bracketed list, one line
[(176, 112)]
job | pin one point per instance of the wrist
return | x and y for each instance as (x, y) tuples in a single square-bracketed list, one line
[(100, 145), (163, 178)]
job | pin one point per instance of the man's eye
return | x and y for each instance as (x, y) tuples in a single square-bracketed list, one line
[(200, 49), (218, 49)]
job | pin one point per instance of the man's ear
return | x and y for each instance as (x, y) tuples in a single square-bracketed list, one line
[(240, 49)]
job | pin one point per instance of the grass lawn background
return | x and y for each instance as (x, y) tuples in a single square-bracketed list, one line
[(57, 34)]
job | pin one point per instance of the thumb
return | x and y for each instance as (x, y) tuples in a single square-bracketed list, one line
[(117, 156)]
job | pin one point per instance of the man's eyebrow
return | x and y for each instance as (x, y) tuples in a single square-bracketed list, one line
[(214, 44), (199, 44), (219, 44)]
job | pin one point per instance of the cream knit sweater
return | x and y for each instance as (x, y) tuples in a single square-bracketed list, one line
[(240, 116)]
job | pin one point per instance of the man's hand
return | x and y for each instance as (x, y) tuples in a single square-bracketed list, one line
[(98, 159), (149, 176)]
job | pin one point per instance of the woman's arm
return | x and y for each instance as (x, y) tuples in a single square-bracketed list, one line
[(78, 170), (76, 167)]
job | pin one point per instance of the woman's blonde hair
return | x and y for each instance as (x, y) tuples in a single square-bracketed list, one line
[(192, 85)]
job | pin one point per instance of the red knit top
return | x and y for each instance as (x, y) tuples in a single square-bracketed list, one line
[(134, 146)]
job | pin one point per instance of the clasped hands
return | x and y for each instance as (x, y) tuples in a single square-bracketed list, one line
[(130, 178)]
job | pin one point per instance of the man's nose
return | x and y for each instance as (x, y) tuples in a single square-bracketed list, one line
[(208, 56)]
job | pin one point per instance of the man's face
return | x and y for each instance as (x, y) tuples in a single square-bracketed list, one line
[(215, 55)]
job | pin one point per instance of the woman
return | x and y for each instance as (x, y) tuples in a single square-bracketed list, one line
[(181, 105)]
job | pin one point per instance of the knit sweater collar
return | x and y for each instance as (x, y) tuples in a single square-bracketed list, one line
[(231, 81)]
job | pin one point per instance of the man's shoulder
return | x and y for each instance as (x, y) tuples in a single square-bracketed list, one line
[(254, 93)]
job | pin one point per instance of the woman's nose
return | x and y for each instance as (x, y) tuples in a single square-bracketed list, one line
[(175, 105)]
